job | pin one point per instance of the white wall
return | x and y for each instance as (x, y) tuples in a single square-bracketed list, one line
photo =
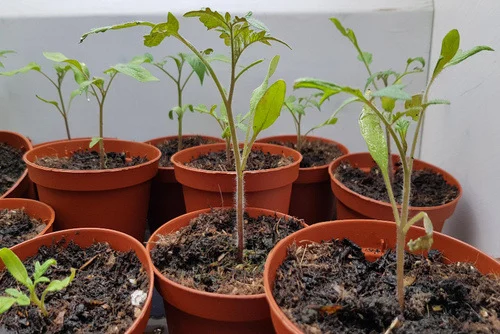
[(463, 137)]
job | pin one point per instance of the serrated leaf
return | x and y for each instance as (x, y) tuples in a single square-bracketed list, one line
[(393, 91), (326, 87), (210, 19), (269, 107), (19, 298), (449, 47), (135, 71), (94, 141), (255, 23), (460, 56), (374, 136), (41, 269), (367, 57), (58, 285), (116, 27), (197, 65), (54, 103), (15, 267), (30, 67), (162, 30)]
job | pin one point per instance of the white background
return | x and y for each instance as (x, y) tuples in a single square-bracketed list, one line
[(392, 30)]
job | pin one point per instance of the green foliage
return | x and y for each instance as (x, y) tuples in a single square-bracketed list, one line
[(2, 55), (269, 106), (17, 270), (374, 136)]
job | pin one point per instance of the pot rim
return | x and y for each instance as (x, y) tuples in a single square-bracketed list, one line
[(441, 171), (24, 175)]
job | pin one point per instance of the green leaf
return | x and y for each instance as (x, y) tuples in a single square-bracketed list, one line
[(20, 298), (6, 303), (367, 57), (269, 107), (222, 58), (54, 103), (15, 267), (171, 114), (58, 285), (326, 87), (248, 67), (41, 269), (255, 23), (30, 67), (345, 31), (437, 101), (259, 92), (416, 59), (162, 30), (226, 134), (211, 19), (449, 47), (4, 52), (197, 65), (60, 58), (394, 92), (388, 103), (135, 71), (145, 58), (460, 56), (374, 136), (116, 27), (382, 75), (94, 141)]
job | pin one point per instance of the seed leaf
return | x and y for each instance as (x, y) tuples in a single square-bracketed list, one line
[(15, 267), (58, 285)]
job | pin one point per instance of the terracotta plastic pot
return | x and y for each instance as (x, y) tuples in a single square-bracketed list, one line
[(85, 237), (167, 200), (194, 311), (267, 189), (23, 188), (112, 198), (33, 208), (368, 234), (351, 205), (312, 198)]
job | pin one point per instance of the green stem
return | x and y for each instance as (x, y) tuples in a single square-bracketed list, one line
[(38, 302), (64, 113), (179, 117), (299, 135)]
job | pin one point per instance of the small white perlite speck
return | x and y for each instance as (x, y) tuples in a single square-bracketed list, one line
[(138, 297)]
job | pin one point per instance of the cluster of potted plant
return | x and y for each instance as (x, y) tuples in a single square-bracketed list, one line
[(237, 258)]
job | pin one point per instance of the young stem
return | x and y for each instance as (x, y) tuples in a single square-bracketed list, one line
[(389, 158), (102, 152), (63, 109), (299, 136), (179, 117), (37, 302)]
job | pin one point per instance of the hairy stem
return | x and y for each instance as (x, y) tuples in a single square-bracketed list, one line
[(63, 109), (179, 117), (102, 152), (389, 158)]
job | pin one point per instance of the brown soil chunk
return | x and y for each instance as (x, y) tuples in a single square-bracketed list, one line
[(202, 255), (17, 226), (314, 153), (331, 288), (98, 300), (12, 166), (257, 160), (169, 148), (428, 188), (89, 160)]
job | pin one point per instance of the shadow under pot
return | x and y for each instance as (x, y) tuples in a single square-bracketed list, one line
[(346, 255), (114, 198), (167, 200), (264, 188), (312, 198), (17, 175), (434, 186), (110, 293), (205, 291)]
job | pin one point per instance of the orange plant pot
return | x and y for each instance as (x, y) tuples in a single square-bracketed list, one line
[(312, 198), (23, 188), (370, 235), (351, 205), (267, 189), (194, 311), (167, 200), (34, 209), (112, 198), (85, 237)]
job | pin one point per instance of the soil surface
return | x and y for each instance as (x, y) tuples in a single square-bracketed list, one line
[(257, 160), (169, 148), (89, 160), (428, 188), (12, 166), (98, 300), (314, 153), (17, 226), (331, 288), (202, 255)]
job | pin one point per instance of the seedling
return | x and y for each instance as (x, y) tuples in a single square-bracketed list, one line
[(197, 67), (61, 71), (18, 271), (297, 108), (238, 33), (379, 124), (99, 88)]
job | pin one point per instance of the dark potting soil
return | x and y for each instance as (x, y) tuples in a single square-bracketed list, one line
[(428, 188), (202, 255), (17, 226), (98, 300), (331, 288), (314, 153), (12, 166), (169, 148), (89, 160), (257, 160)]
